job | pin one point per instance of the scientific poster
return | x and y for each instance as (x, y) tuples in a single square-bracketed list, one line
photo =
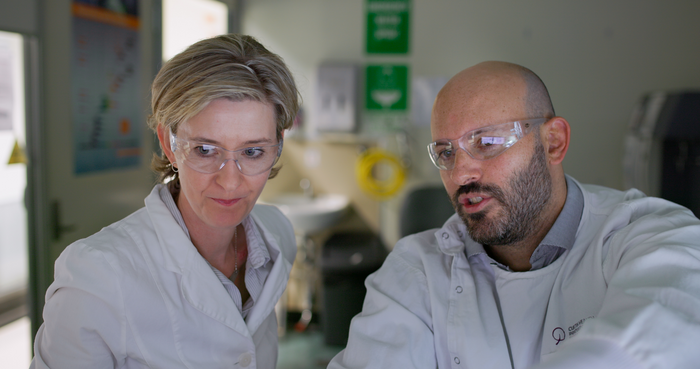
[(107, 116)]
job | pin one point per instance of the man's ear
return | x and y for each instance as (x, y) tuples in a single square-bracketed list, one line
[(556, 134), (164, 138)]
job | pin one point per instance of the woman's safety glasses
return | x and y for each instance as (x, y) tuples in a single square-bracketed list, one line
[(482, 143), (207, 158)]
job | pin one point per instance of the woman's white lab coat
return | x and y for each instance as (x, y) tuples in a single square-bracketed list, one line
[(137, 294)]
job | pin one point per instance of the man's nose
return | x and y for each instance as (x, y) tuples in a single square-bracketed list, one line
[(466, 169)]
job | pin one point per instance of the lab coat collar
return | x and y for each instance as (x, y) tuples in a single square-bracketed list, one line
[(199, 284), (452, 238), (177, 250)]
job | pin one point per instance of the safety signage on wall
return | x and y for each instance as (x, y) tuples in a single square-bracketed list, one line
[(387, 87), (388, 26)]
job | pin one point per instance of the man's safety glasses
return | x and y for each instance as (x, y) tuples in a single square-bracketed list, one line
[(482, 143), (207, 158)]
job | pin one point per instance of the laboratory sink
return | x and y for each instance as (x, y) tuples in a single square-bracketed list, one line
[(311, 214)]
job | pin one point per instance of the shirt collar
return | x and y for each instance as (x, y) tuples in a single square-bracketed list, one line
[(562, 235)]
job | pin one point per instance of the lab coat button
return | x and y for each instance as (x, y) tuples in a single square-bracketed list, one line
[(457, 360), (245, 359), (445, 236), (458, 289)]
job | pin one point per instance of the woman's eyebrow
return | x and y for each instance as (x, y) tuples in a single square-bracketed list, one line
[(259, 141), (217, 143)]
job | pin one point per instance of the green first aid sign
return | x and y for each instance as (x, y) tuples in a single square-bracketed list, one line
[(387, 26), (387, 87)]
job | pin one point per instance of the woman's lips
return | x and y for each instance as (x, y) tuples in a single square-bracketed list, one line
[(226, 202)]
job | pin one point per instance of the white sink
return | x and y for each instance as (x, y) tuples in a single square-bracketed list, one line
[(311, 214)]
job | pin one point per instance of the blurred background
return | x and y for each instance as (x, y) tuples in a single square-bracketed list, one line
[(75, 150)]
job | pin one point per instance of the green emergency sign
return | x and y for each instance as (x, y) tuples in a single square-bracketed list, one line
[(387, 87), (388, 26)]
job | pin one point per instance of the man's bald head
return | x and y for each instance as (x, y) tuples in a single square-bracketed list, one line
[(537, 99), (493, 86)]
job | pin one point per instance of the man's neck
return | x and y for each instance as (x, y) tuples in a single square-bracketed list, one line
[(516, 256)]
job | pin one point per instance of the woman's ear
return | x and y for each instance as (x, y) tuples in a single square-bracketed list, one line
[(164, 138), (556, 134)]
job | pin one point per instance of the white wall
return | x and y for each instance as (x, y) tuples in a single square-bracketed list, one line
[(19, 16), (596, 57)]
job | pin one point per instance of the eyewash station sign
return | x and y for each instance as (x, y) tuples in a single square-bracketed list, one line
[(387, 87), (388, 26), (386, 84)]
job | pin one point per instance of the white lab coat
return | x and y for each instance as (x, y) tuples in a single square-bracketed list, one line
[(137, 294), (627, 295)]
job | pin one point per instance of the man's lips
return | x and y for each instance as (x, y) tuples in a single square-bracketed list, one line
[(472, 203)]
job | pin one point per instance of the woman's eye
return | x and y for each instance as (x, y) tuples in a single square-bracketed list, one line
[(253, 152), (205, 150)]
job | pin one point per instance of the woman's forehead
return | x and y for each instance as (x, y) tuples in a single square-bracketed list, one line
[(225, 120)]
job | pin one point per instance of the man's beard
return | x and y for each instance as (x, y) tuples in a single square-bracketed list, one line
[(521, 206)]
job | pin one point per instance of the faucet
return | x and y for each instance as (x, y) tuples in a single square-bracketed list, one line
[(305, 185)]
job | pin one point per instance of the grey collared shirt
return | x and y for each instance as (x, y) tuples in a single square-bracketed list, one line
[(562, 235), (258, 265)]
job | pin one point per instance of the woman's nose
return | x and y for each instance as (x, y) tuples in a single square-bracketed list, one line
[(229, 176)]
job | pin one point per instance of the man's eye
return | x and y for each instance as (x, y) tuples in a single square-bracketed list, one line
[(489, 141), (446, 154)]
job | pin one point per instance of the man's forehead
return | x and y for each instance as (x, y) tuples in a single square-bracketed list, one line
[(460, 108)]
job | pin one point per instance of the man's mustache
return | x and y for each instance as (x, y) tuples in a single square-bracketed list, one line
[(493, 191)]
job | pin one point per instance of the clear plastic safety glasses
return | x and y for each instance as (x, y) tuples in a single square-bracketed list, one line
[(482, 143), (208, 158)]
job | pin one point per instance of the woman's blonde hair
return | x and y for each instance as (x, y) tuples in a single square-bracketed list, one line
[(233, 66)]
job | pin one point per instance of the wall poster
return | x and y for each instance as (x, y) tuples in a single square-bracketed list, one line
[(107, 114)]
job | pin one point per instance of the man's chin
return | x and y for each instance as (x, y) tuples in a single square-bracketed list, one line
[(472, 219), (481, 229)]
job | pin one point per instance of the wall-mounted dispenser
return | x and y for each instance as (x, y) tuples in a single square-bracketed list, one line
[(336, 97)]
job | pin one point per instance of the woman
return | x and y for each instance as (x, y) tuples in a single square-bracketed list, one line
[(191, 279)]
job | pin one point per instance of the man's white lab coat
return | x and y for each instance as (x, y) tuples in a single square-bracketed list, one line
[(137, 294), (626, 295)]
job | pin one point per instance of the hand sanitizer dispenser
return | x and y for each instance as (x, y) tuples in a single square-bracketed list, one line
[(336, 97)]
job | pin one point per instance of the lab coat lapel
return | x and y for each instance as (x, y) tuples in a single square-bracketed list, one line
[(477, 303), (199, 285), (205, 292)]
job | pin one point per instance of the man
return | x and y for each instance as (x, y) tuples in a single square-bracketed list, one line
[(535, 270)]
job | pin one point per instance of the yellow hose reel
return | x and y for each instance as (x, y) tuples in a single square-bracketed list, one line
[(366, 173)]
